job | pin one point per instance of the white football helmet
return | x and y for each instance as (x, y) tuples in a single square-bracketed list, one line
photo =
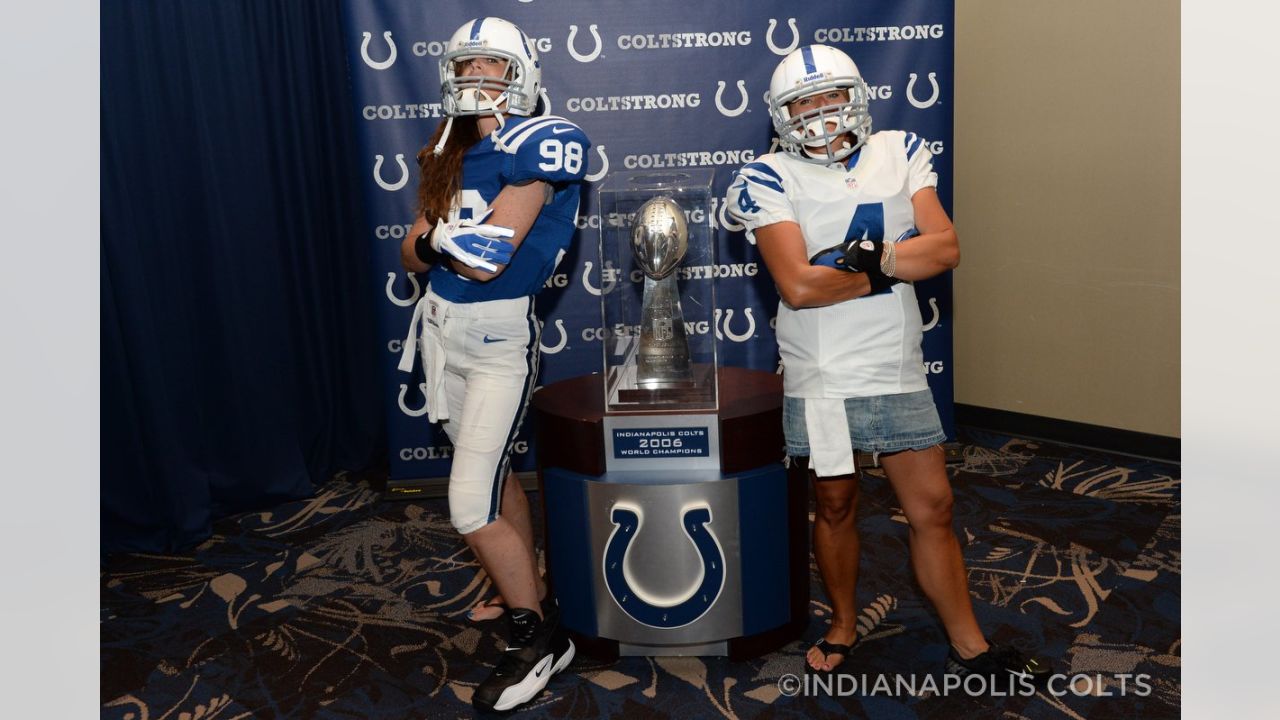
[(813, 135), (497, 38)]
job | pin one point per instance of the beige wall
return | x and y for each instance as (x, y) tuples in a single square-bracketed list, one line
[(1067, 205)]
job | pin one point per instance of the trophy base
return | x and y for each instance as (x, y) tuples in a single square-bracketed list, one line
[(698, 389)]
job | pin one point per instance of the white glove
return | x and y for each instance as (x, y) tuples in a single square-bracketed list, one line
[(474, 244)]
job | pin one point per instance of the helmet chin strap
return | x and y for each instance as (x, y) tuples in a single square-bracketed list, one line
[(471, 99), (820, 146), (824, 150), (821, 143), (497, 134), (475, 100), (818, 127), (444, 136)]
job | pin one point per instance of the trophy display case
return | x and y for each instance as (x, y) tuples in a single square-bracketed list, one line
[(657, 292)]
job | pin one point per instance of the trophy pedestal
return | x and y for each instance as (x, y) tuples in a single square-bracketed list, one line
[(676, 532), (699, 389)]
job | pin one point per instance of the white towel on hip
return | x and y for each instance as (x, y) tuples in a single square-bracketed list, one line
[(431, 348), (830, 448)]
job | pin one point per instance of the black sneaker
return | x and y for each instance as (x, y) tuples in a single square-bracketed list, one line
[(525, 666), (997, 661), (562, 648)]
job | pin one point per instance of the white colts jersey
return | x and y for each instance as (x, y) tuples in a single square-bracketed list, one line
[(866, 346)]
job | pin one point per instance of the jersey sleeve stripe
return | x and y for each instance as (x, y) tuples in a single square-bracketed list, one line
[(509, 132), (765, 183), (762, 168), (913, 147), (522, 133), (510, 135)]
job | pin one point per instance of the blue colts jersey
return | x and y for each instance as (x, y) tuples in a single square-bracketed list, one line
[(547, 148)]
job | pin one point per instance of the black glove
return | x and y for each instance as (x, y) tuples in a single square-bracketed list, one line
[(863, 255), (880, 282), (857, 256), (851, 256)]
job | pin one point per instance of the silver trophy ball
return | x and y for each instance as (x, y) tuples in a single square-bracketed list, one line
[(659, 236)]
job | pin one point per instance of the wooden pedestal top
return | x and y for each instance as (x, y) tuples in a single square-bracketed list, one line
[(570, 432)]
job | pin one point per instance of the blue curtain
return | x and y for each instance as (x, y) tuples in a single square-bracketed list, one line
[(239, 359)]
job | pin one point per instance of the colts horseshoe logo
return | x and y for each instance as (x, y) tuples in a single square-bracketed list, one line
[(377, 173), (573, 33), (604, 166), (586, 281), (696, 602), (728, 317), (422, 388), (742, 106), (413, 280), (795, 37), (378, 64), (911, 96), (937, 315), (564, 340)]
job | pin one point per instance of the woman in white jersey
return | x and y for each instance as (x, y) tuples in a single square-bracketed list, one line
[(845, 220), (497, 203)]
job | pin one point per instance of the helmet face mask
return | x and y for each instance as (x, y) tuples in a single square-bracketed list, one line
[(518, 87), (828, 133)]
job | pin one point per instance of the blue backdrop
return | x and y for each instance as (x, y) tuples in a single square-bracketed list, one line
[(677, 84)]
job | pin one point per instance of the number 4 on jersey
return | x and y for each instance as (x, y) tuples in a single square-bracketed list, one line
[(867, 223)]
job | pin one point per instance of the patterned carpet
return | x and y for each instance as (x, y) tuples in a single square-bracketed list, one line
[(347, 606)]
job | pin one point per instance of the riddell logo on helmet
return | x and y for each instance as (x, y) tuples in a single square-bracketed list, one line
[(813, 76)]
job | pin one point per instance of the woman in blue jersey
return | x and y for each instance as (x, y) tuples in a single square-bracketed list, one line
[(498, 199), (844, 219)]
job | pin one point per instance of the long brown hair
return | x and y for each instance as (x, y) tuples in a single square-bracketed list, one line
[(440, 178)]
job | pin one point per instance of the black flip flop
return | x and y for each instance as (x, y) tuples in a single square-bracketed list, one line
[(492, 602), (829, 648)]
